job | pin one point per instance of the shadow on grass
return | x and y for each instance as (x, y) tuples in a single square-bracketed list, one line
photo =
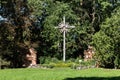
[(94, 78)]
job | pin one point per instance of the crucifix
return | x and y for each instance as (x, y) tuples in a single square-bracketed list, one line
[(63, 26)]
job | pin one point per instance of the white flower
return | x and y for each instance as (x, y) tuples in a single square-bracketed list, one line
[(80, 61)]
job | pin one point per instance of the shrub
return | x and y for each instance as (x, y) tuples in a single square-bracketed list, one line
[(84, 65), (74, 66), (47, 66), (87, 63), (4, 64), (62, 64), (78, 60), (54, 60), (44, 60), (71, 60), (47, 60)]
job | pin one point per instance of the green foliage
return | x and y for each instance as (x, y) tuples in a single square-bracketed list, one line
[(54, 62), (16, 30), (86, 16), (4, 63), (45, 66), (88, 63), (36, 6), (62, 64), (106, 41), (47, 60), (51, 38), (73, 63), (83, 64), (56, 65), (33, 22)]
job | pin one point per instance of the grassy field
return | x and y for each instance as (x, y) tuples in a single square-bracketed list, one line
[(59, 74)]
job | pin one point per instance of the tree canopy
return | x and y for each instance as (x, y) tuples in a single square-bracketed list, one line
[(31, 23), (107, 41)]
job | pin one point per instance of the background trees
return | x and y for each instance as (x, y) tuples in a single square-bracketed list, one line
[(106, 41), (87, 16), (28, 23), (16, 30)]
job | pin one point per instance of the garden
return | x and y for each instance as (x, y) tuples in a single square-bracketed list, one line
[(60, 40)]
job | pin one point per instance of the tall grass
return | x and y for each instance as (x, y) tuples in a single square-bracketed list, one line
[(59, 74)]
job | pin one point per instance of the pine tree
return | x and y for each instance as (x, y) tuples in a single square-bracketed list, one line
[(16, 30)]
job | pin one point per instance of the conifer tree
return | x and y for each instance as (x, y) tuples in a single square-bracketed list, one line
[(16, 30)]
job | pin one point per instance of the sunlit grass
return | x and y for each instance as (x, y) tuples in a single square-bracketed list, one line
[(59, 74)]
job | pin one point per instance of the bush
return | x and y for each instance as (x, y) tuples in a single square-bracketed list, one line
[(59, 64), (4, 64), (44, 60), (47, 66), (47, 60), (71, 60), (62, 64), (88, 63), (74, 66), (78, 60), (54, 60), (84, 65)]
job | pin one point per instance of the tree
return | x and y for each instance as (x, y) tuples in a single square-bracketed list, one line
[(51, 38), (26, 23), (85, 15), (16, 30), (107, 40)]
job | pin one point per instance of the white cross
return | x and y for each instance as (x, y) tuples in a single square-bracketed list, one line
[(63, 26)]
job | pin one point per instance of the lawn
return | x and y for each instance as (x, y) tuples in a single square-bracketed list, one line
[(59, 74)]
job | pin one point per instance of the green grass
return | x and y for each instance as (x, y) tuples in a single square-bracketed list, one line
[(59, 74)]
